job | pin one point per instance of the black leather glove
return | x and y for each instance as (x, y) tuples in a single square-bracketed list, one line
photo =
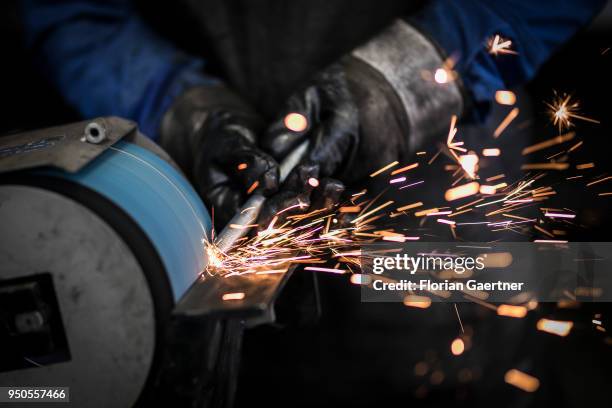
[(212, 134), (377, 105)]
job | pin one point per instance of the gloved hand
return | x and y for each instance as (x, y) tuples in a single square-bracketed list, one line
[(212, 134), (377, 105)]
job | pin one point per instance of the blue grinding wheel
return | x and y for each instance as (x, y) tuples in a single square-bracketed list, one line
[(159, 199), (121, 241)]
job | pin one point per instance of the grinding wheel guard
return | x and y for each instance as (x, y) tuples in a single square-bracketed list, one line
[(67, 147)]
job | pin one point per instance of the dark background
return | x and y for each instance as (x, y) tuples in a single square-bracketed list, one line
[(365, 354)]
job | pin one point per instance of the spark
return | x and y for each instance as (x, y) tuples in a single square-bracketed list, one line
[(470, 204), (329, 240), (350, 209), (296, 122), (487, 190), (559, 215), (310, 238), (491, 152), (498, 45), (545, 166), (291, 207), (403, 169), (420, 302), (239, 226), (469, 163), (506, 122), (214, 256), (435, 213), (410, 206), (253, 187), (542, 230), (425, 212), (441, 76), (516, 216), (399, 238), (522, 381), (270, 271), (558, 327), (585, 166), (234, 296), (452, 132), (380, 207), (457, 347), (505, 97), (459, 212), (385, 168), (351, 253), (562, 109), (459, 317), (360, 279), (512, 311), (574, 147), (421, 368), (496, 177), (444, 221), (313, 182), (437, 377), (548, 143), (434, 157), (599, 181), (317, 269), (413, 184)]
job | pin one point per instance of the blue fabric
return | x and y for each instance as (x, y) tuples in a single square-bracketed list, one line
[(106, 61), (536, 27)]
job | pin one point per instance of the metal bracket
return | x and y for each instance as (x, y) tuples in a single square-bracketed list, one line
[(254, 301), (68, 147)]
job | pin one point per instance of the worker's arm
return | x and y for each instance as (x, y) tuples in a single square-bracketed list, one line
[(383, 101), (536, 28), (105, 60)]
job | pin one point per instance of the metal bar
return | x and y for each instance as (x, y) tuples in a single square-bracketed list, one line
[(250, 210), (256, 293)]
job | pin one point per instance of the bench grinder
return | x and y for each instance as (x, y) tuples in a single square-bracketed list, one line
[(101, 236)]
